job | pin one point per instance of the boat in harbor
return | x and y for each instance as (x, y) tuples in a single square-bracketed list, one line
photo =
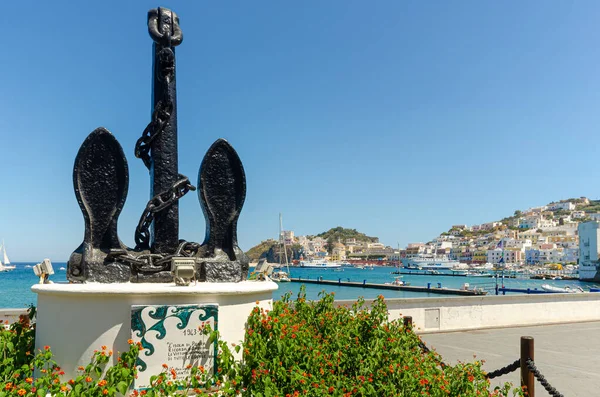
[(5, 265), (280, 276), (567, 289), (398, 282), (426, 262), (319, 264)]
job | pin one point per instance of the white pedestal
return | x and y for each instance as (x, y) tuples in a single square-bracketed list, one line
[(76, 319)]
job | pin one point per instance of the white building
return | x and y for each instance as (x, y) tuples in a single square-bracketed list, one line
[(375, 246), (594, 217), (589, 236), (287, 236), (536, 222), (568, 206), (551, 255), (487, 226), (578, 214), (515, 244)]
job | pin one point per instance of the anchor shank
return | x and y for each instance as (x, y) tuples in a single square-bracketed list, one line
[(164, 158)]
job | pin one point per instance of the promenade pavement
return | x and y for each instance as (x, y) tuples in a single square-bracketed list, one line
[(568, 355)]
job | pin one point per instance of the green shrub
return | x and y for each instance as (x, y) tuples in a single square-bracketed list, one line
[(298, 348), (317, 349)]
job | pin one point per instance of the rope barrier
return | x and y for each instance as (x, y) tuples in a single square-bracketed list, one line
[(504, 370), (538, 375)]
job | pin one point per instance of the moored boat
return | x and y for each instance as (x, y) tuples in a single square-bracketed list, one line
[(567, 289), (316, 264)]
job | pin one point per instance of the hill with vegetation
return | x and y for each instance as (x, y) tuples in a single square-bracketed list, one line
[(258, 251), (270, 248), (342, 234)]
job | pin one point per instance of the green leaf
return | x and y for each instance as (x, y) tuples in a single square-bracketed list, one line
[(122, 387), (41, 393)]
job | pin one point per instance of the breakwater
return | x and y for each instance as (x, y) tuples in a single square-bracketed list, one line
[(453, 274), (364, 284)]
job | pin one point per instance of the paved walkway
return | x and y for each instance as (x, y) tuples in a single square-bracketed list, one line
[(567, 355)]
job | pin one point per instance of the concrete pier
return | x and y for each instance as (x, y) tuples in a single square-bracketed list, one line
[(431, 290)]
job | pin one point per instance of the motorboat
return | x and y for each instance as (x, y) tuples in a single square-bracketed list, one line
[(567, 289), (280, 276), (398, 282)]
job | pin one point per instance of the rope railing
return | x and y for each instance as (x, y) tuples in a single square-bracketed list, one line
[(529, 371), (542, 379), (505, 370), (426, 350)]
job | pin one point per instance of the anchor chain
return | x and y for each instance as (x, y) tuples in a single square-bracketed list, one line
[(158, 123), (147, 263), (162, 110), (156, 204)]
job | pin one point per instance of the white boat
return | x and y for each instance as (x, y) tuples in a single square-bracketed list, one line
[(316, 264), (5, 265), (62, 268), (280, 276), (397, 282), (425, 262), (567, 289), (478, 273)]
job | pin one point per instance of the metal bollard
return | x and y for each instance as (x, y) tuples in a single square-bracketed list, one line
[(527, 378), (364, 282)]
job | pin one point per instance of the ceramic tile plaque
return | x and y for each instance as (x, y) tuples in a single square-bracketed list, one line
[(170, 335)]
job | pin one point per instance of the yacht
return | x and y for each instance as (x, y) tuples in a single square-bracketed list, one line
[(426, 262), (319, 264)]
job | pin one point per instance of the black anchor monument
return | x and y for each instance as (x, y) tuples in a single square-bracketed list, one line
[(101, 179)]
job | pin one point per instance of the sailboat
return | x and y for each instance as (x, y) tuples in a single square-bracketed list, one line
[(5, 265), (281, 275)]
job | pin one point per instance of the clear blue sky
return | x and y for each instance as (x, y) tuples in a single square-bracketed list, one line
[(395, 118)]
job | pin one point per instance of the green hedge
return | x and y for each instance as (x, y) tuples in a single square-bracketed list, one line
[(300, 348)]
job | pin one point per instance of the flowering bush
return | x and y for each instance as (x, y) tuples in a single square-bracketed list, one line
[(298, 348), (317, 349)]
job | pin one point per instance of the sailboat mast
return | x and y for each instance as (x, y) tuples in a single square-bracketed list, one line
[(282, 241)]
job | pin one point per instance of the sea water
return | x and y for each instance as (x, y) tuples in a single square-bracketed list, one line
[(15, 286)]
